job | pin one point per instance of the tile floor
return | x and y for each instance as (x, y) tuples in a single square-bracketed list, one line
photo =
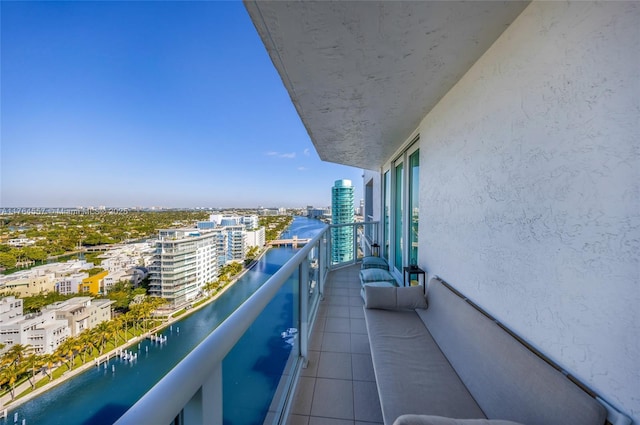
[(338, 386)]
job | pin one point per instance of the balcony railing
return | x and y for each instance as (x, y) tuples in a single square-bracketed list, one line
[(192, 393)]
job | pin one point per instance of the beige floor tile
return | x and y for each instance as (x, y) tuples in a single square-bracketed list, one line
[(304, 396), (315, 342), (360, 344), (357, 326), (312, 364), (362, 367), (335, 365), (336, 342), (298, 420), (338, 324), (366, 402), (333, 398), (356, 312), (339, 311), (315, 420)]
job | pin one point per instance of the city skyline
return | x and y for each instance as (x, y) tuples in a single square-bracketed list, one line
[(149, 104)]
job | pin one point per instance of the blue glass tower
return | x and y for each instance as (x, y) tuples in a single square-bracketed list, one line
[(342, 212)]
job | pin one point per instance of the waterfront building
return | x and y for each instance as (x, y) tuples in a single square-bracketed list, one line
[(80, 313), (236, 243), (10, 308), (255, 237), (342, 213), (250, 222), (318, 213), (230, 221), (206, 225), (185, 260), (42, 331)]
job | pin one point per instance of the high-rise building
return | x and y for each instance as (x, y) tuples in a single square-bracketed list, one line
[(185, 260), (341, 213)]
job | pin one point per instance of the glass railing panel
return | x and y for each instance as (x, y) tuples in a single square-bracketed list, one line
[(368, 239), (258, 371), (313, 285)]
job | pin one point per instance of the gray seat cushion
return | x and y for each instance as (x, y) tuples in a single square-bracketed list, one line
[(506, 379), (412, 374), (439, 420)]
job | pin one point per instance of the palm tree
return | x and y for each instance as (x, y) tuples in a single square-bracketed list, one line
[(117, 325), (32, 363), (9, 375), (48, 362), (84, 344), (65, 351), (15, 354), (101, 333)]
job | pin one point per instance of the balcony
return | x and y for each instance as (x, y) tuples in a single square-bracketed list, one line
[(338, 385), (328, 372)]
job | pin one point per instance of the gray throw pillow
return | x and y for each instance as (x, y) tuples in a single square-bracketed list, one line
[(410, 297), (380, 297)]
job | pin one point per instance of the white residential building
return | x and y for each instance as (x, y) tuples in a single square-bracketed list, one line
[(69, 284), (185, 260), (255, 237), (34, 281), (250, 222), (80, 313), (42, 331), (236, 244), (10, 309), (18, 242)]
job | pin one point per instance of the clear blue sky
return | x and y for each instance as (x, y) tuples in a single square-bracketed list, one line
[(171, 104)]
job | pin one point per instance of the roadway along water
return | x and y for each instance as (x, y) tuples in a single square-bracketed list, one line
[(101, 395)]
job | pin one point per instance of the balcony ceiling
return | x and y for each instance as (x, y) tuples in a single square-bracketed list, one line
[(363, 74)]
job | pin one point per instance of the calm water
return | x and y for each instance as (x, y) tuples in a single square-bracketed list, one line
[(251, 370)]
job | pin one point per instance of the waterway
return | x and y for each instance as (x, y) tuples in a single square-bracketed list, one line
[(251, 371)]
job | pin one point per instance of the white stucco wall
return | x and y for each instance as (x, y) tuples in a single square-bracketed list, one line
[(529, 188)]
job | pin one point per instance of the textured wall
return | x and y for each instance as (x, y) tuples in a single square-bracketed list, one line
[(530, 173)]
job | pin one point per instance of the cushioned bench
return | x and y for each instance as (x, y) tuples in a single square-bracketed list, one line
[(447, 363)]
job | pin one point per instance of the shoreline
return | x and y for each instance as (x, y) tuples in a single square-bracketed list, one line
[(7, 404)]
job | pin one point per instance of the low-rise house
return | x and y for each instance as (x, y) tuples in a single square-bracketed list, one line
[(42, 331), (29, 282), (92, 284), (81, 313), (19, 242), (67, 285)]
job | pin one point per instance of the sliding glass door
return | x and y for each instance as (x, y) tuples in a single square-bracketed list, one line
[(414, 216), (401, 195), (398, 215)]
